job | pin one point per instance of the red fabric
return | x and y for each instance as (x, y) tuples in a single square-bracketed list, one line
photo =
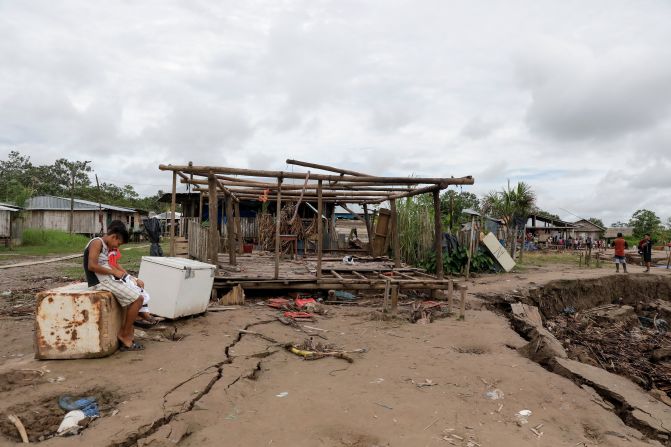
[(619, 246), (277, 303), (114, 257), (302, 302)]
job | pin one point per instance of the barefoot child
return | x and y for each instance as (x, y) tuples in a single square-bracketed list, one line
[(101, 275)]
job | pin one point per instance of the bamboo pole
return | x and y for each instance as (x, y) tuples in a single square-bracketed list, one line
[(213, 236), (470, 248), (438, 224), (394, 299), (203, 170), (325, 168), (173, 207), (278, 223), (230, 230), (394, 234), (320, 229)]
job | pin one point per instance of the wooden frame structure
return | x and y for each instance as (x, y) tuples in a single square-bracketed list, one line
[(336, 186)]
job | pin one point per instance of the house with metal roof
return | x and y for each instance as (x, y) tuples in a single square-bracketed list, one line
[(51, 212)]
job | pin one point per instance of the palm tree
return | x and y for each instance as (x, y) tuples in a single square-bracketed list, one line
[(512, 206)]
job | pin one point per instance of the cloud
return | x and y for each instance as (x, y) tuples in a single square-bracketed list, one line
[(579, 94)]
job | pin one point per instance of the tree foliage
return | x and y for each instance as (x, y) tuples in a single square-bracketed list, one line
[(20, 179), (646, 222), (512, 206), (597, 221), (452, 206)]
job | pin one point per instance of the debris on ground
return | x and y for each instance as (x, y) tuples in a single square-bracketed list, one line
[(635, 351), (426, 311), (310, 350)]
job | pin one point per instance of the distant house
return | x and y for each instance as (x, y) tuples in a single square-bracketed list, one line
[(51, 212), (8, 213), (584, 229), (611, 233), (544, 227)]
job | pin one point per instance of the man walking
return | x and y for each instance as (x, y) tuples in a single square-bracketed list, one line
[(620, 245)]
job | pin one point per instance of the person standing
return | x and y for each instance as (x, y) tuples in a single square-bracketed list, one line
[(645, 247), (620, 245)]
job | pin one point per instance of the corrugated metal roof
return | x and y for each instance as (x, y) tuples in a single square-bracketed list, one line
[(62, 203), (8, 208)]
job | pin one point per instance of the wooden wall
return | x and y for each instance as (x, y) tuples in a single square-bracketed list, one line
[(5, 223)]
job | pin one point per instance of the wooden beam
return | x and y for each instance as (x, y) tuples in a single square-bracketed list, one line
[(369, 231), (320, 229), (278, 223), (325, 168), (230, 230), (173, 207), (394, 234), (213, 235), (204, 170)]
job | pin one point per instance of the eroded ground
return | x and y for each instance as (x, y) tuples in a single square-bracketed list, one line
[(208, 384)]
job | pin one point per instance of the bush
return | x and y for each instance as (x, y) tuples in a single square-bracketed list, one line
[(54, 239), (455, 262)]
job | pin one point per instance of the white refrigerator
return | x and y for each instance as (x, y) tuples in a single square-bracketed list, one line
[(178, 287)]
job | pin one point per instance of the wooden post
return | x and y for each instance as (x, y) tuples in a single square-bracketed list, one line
[(230, 230), (200, 207), (394, 234), (450, 296), (462, 305), (238, 227), (278, 223), (470, 248), (439, 235), (320, 229), (394, 299), (173, 207), (368, 229), (213, 236)]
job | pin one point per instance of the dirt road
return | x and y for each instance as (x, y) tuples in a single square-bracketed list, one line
[(417, 385)]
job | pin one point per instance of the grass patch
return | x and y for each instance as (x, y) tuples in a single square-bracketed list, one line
[(540, 259), (45, 242)]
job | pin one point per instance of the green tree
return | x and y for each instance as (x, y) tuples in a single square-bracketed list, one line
[(597, 221), (452, 206), (645, 222), (512, 206)]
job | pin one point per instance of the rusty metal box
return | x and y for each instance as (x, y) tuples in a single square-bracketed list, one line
[(75, 322)]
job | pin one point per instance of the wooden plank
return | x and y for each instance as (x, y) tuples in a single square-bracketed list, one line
[(381, 230), (230, 229)]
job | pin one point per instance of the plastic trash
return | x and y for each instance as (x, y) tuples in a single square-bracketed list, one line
[(348, 260), (282, 394), (87, 405), (495, 394), (70, 424), (522, 416), (342, 295)]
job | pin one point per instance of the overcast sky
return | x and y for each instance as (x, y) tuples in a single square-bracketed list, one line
[(573, 97)]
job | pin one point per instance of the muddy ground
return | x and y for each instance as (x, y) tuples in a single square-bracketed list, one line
[(417, 385)]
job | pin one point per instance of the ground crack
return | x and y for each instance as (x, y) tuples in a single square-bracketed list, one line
[(133, 439)]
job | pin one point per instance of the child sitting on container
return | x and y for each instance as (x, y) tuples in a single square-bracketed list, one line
[(144, 314), (101, 275)]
